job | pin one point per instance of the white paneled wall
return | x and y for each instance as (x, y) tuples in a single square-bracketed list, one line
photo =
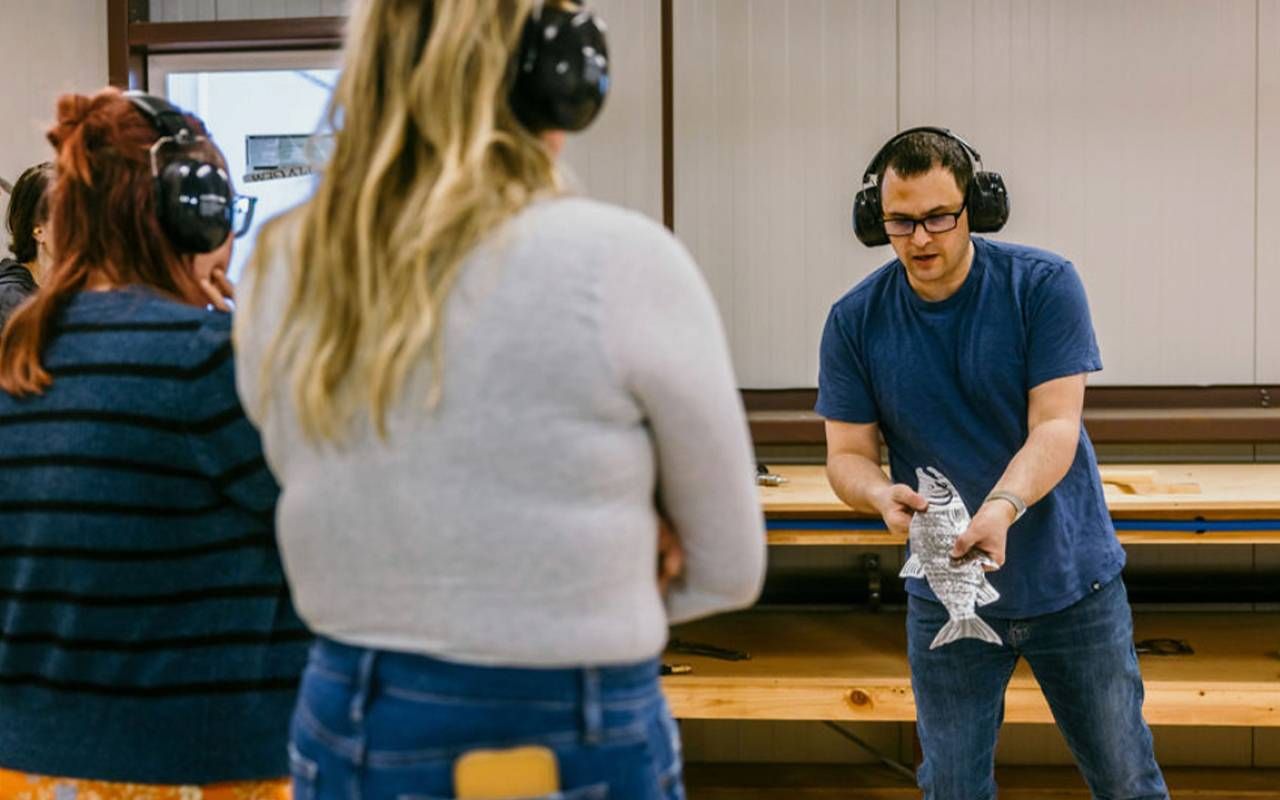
[(50, 47), (1125, 131), (778, 106), (206, 10), (1267, 307), (619, 158), (1124, 128), (1140, 138)]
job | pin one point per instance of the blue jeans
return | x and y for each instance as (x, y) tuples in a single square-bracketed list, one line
[(1084, 661), (373, 724)]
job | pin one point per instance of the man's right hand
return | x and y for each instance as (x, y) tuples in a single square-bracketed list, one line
[(896, 504)]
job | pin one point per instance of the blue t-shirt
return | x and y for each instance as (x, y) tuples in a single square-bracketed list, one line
[(948, 384)]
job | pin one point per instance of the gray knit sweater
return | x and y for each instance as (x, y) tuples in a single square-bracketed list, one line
[(586, 373)]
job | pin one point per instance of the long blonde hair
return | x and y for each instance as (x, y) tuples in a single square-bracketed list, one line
[(428, 158)]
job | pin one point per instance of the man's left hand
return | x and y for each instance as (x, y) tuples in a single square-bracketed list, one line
[(987, 533)]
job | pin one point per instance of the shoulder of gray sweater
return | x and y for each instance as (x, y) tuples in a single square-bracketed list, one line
[(591, 224)]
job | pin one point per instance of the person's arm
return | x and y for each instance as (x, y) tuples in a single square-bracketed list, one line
[(11, 297), (1054, 410), (1061, 350), (846, 401), (224, 443), (663, 335), (855, 475)]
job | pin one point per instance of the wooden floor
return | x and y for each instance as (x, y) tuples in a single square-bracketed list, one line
[(840, 665), (810, 782)]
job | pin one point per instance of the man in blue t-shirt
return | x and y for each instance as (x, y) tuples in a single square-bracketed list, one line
[(970, 355)]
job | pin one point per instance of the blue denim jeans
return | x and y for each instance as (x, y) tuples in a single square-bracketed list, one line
[(1084, 660), (373, 724)]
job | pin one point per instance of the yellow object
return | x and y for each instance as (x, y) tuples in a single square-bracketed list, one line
[(506, 774), (23, 786)]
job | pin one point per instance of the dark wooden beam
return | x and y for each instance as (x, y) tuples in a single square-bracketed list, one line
[(668, 120), (246, 34), (118, 43), (1112, 415)]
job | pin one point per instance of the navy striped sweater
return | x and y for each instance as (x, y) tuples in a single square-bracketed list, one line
[(146, 633)]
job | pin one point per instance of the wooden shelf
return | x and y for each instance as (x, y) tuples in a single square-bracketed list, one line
[(1239, 502), (853, 666), (873, 782)]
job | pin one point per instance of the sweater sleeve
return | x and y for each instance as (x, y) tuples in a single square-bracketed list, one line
[(665, 339), (225, 445), (260, 295), (12, 295)]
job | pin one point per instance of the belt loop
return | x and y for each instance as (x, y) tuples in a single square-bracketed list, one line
[(364, 686), (360, 700), (592, 711)]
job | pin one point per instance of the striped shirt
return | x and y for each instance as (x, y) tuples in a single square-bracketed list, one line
[(146, 633)]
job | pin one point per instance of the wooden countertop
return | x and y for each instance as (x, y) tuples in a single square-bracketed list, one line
[(1246, 494), (842, 665)]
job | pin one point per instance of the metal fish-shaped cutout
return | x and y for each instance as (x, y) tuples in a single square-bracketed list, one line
[(960, 586)]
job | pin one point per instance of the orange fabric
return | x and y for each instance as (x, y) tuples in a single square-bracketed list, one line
[(21, 786)]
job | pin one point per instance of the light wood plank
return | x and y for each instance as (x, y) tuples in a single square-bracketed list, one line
[(853, 666), (1227, 492), (796, 537)]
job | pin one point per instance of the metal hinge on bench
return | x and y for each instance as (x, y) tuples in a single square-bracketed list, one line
[(871, 566)]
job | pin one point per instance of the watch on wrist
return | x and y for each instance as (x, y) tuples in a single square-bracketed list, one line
[(1019, 505)]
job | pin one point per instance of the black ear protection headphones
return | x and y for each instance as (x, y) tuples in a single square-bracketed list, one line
[(986, 199), (194, 200), (561, 69)]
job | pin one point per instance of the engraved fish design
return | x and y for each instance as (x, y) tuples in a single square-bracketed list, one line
[(960, 586)]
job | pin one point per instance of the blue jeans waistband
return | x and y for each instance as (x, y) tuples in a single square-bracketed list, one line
[(429, 675)]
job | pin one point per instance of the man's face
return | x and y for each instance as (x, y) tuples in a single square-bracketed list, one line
[(931, 259)]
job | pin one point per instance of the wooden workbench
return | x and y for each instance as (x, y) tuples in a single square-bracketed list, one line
[(843, 665), (1240, 503)]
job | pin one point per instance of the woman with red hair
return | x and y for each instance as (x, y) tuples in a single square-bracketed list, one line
[(146, 634)]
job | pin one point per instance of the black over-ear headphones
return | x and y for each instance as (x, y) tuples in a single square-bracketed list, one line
[(986, 199), (194, 200), (561, 70)]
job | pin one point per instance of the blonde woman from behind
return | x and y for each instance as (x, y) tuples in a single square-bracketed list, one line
[(478, 396)]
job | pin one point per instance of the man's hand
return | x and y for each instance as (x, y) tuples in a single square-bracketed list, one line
[(897, 504), (987, 534), (670, 555)]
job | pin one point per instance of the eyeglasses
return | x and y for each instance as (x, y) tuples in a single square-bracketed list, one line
[(935, 223), (242, 206)]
